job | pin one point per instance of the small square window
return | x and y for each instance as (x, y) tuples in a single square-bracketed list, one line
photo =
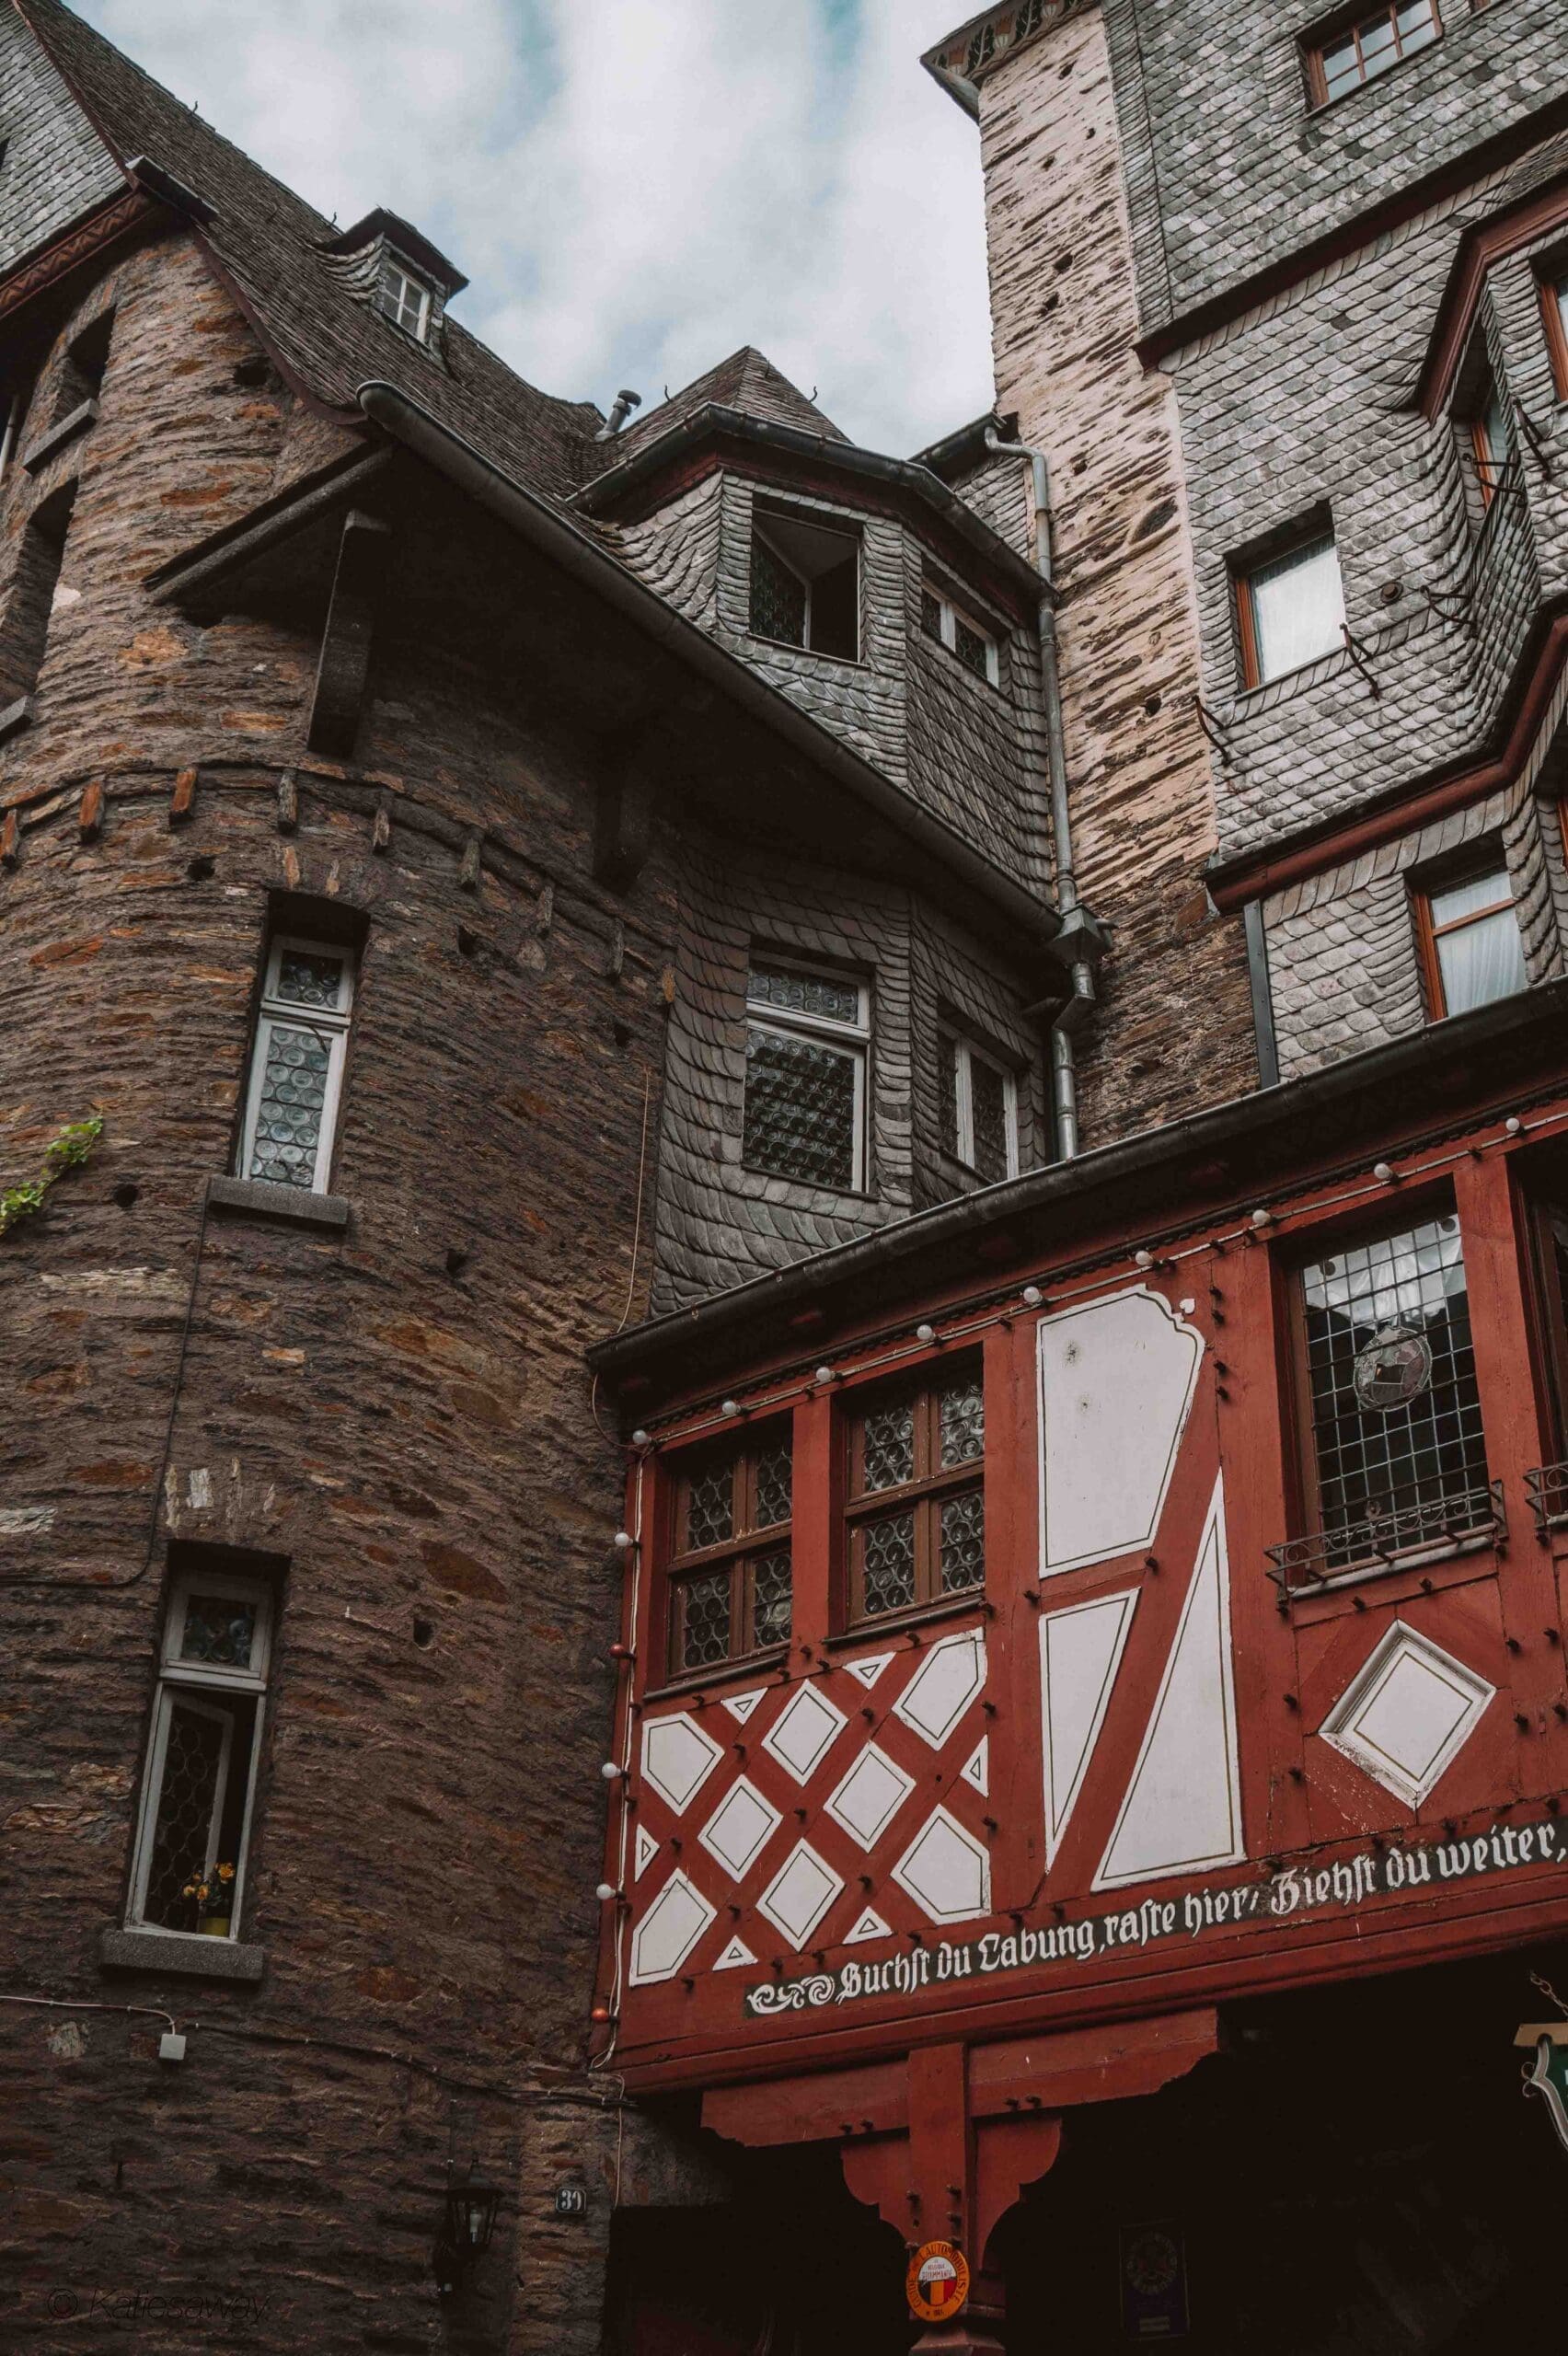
[(296, 1063), (915, 1529), (975, 646), (805, 587), (1290, 610), (807, 1037), (1468, 931), (729, 1579), (979, 1110), (1360, 51), (188, 1873), (404, 298)]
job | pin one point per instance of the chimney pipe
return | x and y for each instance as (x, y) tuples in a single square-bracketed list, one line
[(621, 409)]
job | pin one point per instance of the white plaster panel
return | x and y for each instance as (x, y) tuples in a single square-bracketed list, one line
[(804, 1731), (1080, 1651), (1182, 1810), (800, 1893), (669, 1931), (976, 1769), (737, 1952), (741, 1705), (869, 1667), (952, 1676), (869, 1925), (1408, 1715), (740, 1828), (1116, 1383), (645, 1850), (870, 1796), (677, 1759), (946, 1871)]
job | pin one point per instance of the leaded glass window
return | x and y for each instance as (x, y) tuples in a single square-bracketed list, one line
[(806, 1041), (805, 585), (1392, 1404), (977, 647), (188, 1873), (916, 1510), (979, 1110), (730, 1562), (297, 1063)]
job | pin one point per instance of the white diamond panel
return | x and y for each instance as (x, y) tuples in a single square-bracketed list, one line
[(870, 1796), (800, 1893), (740, 1828), (946, 1870), (952, 1676), (1407, 1716), (677, 1760), (804, 1732), (669, 1931)]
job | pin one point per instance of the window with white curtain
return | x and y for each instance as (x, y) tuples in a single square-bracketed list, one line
[(296, 1063), (1469, 934), (1290, 610)]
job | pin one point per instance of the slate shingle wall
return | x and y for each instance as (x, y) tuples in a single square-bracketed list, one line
[(1234, 170), (55, 166)]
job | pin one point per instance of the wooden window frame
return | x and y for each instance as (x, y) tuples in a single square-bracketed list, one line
[(1353, 22), (1553, 295), (738, 1552), (1428, 934), (392, 300), (951, 612), (188, 1681), (1243, 574), (926, 1492), (1489, 471), (854, 539), (852, 1039), (960, 1053), (331, 1023)]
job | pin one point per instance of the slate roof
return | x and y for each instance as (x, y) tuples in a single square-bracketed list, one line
[(748, 381)]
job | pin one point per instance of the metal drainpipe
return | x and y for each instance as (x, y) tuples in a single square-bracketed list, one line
[(1064, 1067)]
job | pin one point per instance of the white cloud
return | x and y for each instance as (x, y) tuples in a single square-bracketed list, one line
[(637, 187)]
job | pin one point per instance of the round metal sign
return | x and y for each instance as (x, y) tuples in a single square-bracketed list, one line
[(938, 2282), (1393, 1368)]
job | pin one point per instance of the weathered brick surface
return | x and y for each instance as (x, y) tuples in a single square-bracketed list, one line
[(1137, 766), (400, 1410)]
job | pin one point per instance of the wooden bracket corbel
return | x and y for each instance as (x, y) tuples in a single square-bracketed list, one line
[(343, 669)]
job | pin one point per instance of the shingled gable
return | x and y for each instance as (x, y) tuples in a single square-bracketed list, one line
[(747, 381)]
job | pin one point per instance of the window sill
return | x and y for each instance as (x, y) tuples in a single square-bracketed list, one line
[(262, 1199), (742, 1671), (914, 1615), (185, 1954), (808, 1186), (44, 448), (16, 717), (855, 662)]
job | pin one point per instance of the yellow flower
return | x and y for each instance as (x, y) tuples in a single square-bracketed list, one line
[(225, 1873)]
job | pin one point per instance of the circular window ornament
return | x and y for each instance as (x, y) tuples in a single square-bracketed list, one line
[(1393, 1368)]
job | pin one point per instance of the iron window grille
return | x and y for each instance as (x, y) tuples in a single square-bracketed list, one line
[(297, 1063), (403, 298), (979, 1108), (806, 585), (1467, 929), (975, 647), (1394, 1455), (730, 1573), (1289, 609), (205, 1741), (914, 1496), (808, 1037), (1357, 52), (1547, 1488)]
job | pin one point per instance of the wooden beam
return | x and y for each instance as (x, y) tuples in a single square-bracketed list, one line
[(343, 670)]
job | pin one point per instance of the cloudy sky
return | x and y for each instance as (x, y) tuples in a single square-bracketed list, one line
[(635, 186)]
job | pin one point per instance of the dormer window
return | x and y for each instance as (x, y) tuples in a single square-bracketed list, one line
[(404, 298), (806, 585)]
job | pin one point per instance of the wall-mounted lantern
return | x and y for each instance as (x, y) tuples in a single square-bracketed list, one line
[(465, 2228)]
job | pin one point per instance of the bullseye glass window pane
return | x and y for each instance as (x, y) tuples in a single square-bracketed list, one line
[(192, 1772), (800, 1109), (292, 1101), (771, 1600), (962, 1424), (888, 1458), (219, 1631), (705, 1620), (962, 1542), (307, 978), (710, 1507), (792, 993), (773, 1480), (888, 1563)]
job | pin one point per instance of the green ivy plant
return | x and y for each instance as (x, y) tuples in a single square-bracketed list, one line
[(74, 1146)]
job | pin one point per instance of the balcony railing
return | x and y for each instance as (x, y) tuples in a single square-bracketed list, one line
[(1547, 1489), (1405, 1538)]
